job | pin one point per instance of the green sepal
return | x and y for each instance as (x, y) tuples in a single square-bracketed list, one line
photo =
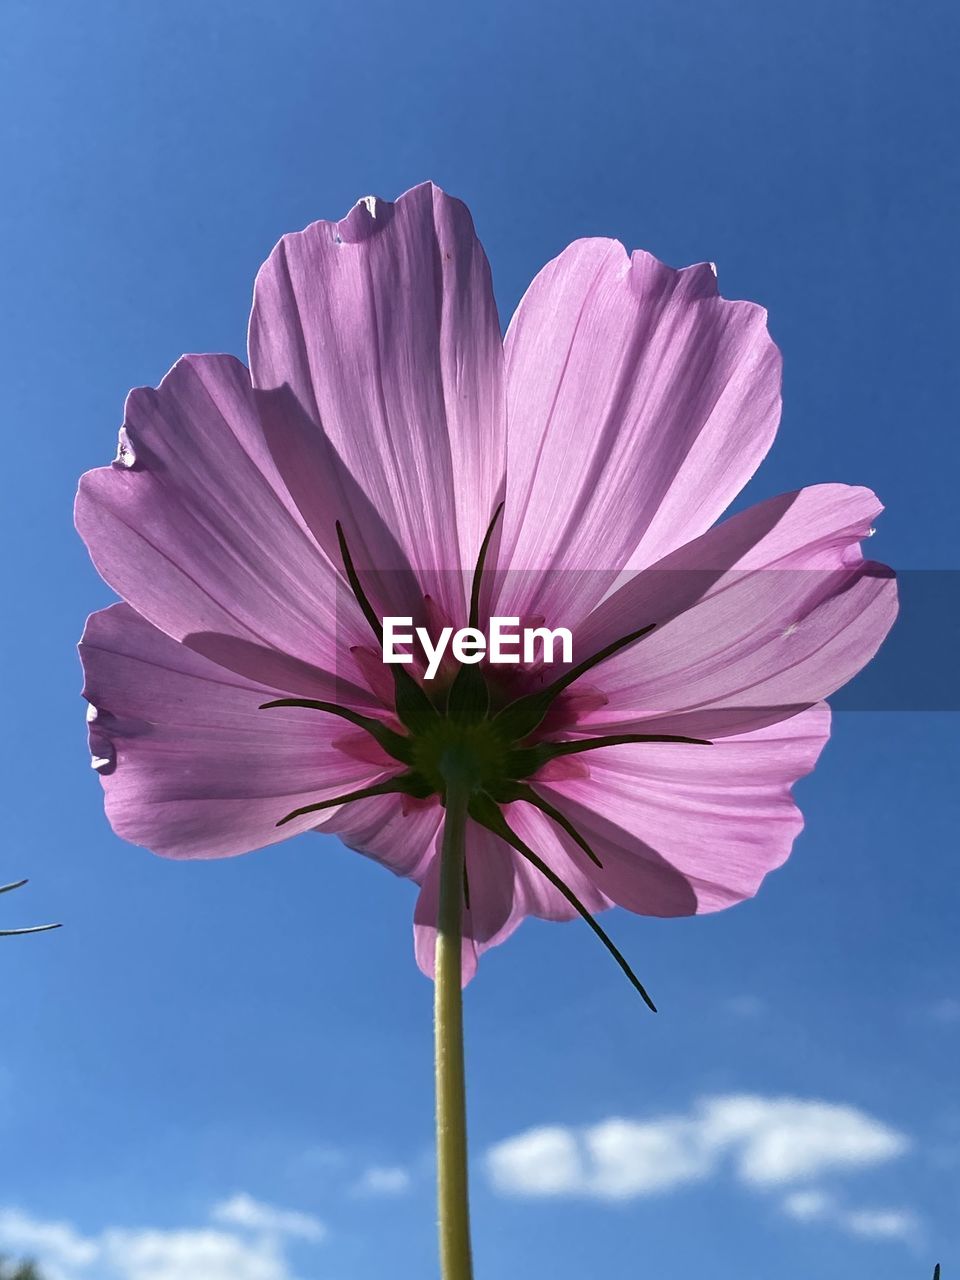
[(554, 750), (487, 813), (510, 792), (395, 744), (478, 571), (415, 711), (523, 762), (408, 784), (37, 928), (521, 717), (468, 700)]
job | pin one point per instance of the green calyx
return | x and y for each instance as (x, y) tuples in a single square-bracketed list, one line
[(474, 750)]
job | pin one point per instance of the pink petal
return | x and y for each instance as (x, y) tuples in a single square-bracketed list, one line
[(774, 609), (195, 527), (535, 895), (385, 327), (493, 913), (190, 767), (688, 829), (505, 888), (639, 403), (395, 831), (326, 494), (425, 929)]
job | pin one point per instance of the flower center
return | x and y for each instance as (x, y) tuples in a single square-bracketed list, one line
[(479, 751), (493, 752)]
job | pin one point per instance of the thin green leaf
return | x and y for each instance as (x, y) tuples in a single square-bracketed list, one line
[(395, 743), (487, 813), (521, 717), (478, 571), (521, 791), (403, 784), (414, 708), (37, 928), (577, 745)]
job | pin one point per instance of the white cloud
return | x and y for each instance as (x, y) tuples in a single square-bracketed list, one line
[(881, 1224), (782, 1140), (769, 1141), (56, 1241), (185, 1255), (808, 1206), (242, 1210), (154, 1254), (628, 1159), (540, 1162), (870, 1224), (384, 1180), (614, 1160)]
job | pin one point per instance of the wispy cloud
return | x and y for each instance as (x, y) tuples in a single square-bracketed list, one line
[(383, 1180), (868, 1223), (57, 1241), (881, 1224), (767, 1142), (120, 1253), (807, 1206), (782, 1140), (187, 1254), (242, 1210)]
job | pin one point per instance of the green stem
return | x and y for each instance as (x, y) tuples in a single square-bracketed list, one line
[(452, 1198)]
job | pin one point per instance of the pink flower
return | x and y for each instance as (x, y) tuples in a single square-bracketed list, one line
[(385, 428)]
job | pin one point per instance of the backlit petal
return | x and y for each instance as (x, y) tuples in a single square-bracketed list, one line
[(775, 608), (190, 767), (195, 527), (639, 403), (687, 829), (385, 328)]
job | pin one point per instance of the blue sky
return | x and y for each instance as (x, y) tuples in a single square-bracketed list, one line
[(225, 1069)]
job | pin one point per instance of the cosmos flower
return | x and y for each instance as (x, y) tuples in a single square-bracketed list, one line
[(387, 453)]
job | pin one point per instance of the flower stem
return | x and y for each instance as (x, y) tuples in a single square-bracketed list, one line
[(452, 1198)]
